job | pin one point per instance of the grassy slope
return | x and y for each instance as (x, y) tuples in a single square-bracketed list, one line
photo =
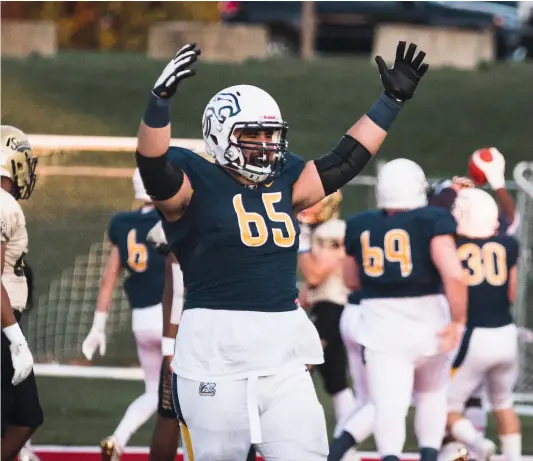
[(454, 112)]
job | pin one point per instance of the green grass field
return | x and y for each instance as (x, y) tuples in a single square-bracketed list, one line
[(89, 409), (453, 113)]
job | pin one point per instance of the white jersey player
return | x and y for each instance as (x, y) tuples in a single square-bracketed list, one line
[(320, 258), (489, 349), (21, 410)]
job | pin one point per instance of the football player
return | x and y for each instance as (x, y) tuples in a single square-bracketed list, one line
[(403, 254), (145, 278), (320, 261), (489, 348), (166, 432), (444, 193), (359, 423), (240, 373), (21, 409)]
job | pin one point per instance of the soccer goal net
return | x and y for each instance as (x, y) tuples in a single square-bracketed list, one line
[(82, 182)]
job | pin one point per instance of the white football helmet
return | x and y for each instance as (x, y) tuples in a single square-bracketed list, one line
[(476, 213), (401, 185), (17, 161), (238, 108), (138, 187)]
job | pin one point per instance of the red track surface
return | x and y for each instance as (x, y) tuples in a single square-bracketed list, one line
[(73, 453)]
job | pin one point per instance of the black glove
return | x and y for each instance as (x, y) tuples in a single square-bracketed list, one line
[(176, 70), (401, 80)]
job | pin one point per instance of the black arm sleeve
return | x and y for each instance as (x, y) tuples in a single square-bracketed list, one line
[(161, 179), (342, 164)]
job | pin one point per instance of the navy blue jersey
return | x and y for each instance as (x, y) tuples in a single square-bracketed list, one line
[(145, 266), (354, 297), (393, 251), (237, 245), (487, 264)]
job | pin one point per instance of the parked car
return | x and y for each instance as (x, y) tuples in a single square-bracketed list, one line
[(349, 26)]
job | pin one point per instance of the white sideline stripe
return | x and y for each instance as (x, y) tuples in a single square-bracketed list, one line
[(51, 142), (80, 371), (146, 450)]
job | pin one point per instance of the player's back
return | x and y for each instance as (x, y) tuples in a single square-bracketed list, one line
[(401, 289), (237, 247), (393, 251), (488, 263), (145, 266), (15, 238)]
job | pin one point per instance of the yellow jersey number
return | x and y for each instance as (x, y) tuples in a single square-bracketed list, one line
[(486, 263), (137, 253), (396, 248), (246, 219)]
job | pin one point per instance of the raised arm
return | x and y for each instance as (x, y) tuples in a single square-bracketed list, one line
[(494, 171), (167, 185), (355, 149)]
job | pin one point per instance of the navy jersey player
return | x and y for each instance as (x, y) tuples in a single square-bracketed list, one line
[(240, 374), (166, 431), (489, 349), (404, 254), (144, 268)]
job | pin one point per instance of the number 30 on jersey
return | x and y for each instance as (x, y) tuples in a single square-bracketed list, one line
[(487, 263), (396, 249)]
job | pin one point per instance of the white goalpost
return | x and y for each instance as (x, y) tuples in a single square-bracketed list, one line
[(523, 308), (63, 314)]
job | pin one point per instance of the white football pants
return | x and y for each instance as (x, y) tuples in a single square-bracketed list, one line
[(279, 414), (392, 380)]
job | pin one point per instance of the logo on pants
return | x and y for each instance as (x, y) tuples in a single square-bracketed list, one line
[(207, 389)]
